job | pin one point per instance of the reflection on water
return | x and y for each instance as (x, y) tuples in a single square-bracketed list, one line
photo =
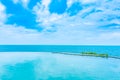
[(20, 71), (47, 66)]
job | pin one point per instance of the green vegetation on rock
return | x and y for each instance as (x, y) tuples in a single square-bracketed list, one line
[(94, 54)]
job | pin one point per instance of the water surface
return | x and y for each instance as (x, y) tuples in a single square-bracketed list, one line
[(111, 50), (48, 66)]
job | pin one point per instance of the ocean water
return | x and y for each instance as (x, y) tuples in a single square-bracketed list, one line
[(111, 50), (38, 63)]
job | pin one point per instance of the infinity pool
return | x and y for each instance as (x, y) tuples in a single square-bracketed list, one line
[(48, 66)]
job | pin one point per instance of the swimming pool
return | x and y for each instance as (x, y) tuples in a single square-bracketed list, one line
[(48, 66)]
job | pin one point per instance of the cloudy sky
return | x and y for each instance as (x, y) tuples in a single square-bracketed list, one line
[(60, 22)]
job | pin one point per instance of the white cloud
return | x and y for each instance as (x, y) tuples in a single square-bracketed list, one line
[(46, 3), (88, 1), (23, 2), (3, 15), (16, 1), (26, 2), (79, 29), (43, 14), (12, 34), (70, 2)]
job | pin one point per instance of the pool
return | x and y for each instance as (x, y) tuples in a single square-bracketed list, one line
[(48, 66)]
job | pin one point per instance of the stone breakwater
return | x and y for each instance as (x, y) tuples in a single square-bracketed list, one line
[(79, 54)]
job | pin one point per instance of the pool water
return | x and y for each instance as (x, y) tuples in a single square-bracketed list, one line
[(48, 66)]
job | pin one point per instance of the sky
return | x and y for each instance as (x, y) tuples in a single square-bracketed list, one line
[(60, 22)]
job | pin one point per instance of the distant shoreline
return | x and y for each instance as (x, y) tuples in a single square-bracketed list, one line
[(65, 53)]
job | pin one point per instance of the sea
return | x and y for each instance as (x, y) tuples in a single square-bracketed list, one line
[(37, 62), (111, 50)]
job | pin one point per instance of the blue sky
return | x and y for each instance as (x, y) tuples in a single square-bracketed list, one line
[(64, 22)]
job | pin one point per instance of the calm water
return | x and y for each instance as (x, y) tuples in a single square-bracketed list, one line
[(47, 66), (38, 63), (111, 50)]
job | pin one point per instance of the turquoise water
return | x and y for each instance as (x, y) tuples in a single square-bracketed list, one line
[(48, 66), (111, 50), (38, 63)]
